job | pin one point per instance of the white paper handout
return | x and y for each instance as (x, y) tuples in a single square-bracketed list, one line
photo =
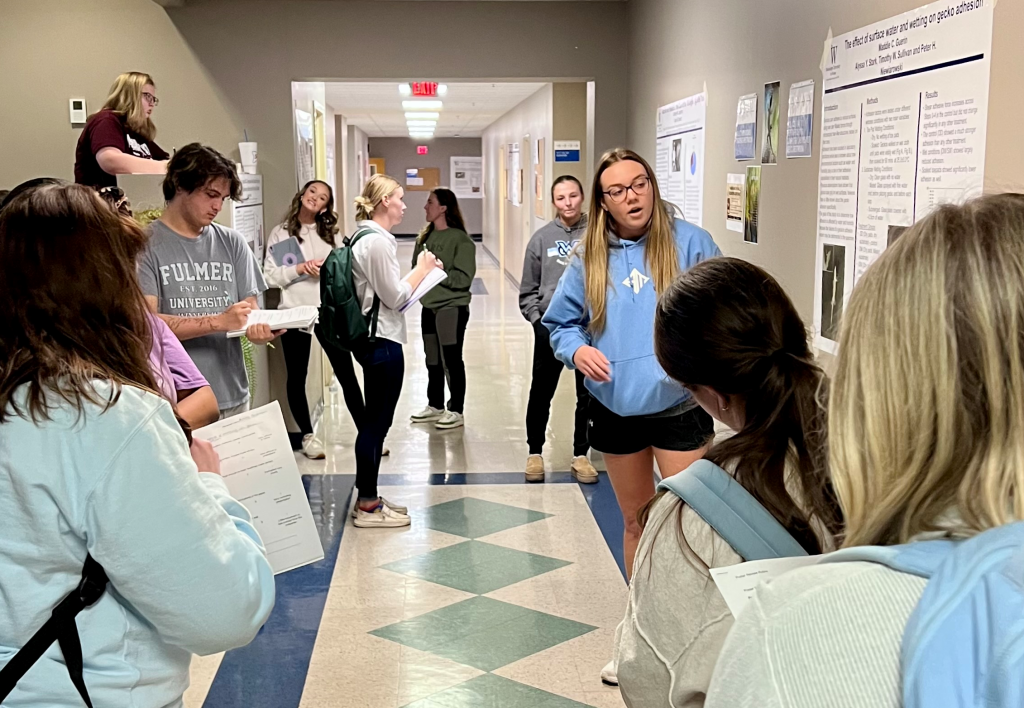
[(303, 317), (738, 582), (258, 466), (431, 279)]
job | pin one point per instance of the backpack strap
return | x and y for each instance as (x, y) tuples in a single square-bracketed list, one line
[(374, 312), (732, 512), (61, 628)]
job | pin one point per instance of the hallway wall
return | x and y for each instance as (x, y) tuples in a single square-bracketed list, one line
[(400, 154), (736, 46)]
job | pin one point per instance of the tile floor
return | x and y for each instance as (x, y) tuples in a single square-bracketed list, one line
[(500, 594)]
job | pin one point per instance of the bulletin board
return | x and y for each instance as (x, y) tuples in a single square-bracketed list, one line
[(431, 179)]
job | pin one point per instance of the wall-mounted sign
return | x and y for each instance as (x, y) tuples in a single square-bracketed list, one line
[(424, 88), (422, 150), (567, 151)]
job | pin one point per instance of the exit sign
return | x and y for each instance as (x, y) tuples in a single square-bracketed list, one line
[(424, 88), (421, 150)]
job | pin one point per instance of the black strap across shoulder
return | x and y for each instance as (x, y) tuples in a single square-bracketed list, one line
[(61, 627)]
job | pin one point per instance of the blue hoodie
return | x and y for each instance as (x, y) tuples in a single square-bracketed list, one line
[(639, 385)]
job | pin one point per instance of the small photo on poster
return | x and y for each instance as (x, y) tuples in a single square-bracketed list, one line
[(677, 155), (751, 203), (770, 134), (833, 285)]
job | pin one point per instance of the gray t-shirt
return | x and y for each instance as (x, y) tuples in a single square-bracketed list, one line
[(196, 277)]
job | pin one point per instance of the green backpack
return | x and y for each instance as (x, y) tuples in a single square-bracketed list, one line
[(342, 323)]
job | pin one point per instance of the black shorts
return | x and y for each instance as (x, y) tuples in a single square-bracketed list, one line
[(617, 435)]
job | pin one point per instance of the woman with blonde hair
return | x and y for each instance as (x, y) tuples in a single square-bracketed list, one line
[(601, 320), (926, 450), (382, 290), (120, 138)]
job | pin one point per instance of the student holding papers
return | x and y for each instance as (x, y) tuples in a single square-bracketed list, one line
[(445, 311), (727, 330), (295, 251), (377, 275)]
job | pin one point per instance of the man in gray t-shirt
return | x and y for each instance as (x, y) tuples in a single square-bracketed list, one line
[(201, 277)]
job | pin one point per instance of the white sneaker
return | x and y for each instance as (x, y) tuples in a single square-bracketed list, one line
[(383, 517), (428, 415), (397, 508), (450, 420), (609, 674), (312, 448)]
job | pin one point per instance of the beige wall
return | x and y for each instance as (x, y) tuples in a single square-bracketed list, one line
[(400, 154), (738, 45), (254, 49), (54, 50), (569, 116), (533, 118)]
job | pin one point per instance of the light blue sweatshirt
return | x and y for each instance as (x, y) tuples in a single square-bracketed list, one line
[(639, 385), (187, 569)]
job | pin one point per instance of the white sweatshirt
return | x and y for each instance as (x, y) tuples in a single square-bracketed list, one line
[(314, 248)]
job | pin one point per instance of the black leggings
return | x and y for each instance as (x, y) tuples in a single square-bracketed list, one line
[(444, 333), (296, 347)]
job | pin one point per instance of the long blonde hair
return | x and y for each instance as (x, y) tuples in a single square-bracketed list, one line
[(926, 417), (662, 258), (378, 187), (125, 99)]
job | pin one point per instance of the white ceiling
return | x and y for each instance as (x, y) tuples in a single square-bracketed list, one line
[(468, 107)]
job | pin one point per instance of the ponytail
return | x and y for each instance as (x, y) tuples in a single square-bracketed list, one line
[(727, 325)]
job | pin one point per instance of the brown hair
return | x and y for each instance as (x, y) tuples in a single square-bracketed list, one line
[(74, 312), (326, 221), (125, 99), (728, 325), (926, 416), (662, 258), (453, 215), (195, 166)]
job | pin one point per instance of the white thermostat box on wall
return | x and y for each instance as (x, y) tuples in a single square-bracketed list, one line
[(78, 111)]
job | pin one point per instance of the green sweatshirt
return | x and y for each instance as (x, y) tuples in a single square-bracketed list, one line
[(457, 253)]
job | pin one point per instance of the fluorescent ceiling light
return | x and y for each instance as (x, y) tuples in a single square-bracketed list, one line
[(421, 136), (422, 105), (421, 123), (442, 89), (405, 89), (423, 116)]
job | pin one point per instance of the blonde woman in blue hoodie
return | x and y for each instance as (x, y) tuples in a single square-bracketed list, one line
[(601, 320)]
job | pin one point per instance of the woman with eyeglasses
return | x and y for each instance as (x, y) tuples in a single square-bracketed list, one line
[(601, 320), (119, 139)]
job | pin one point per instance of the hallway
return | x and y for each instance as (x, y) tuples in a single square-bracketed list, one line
[(500, 594)]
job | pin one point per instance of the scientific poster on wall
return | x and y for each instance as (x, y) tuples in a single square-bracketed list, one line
[(770, 134), (734, 202), (304, 146), (798, 121), (515, 175), (679, 162), (746, 127), (752, 204), (904, 111), (467, 177)]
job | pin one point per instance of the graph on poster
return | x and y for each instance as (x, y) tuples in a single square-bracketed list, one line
[(904, 111), (679, 160)]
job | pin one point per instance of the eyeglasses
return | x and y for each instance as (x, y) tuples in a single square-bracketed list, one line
[(639, 187), (115, 197), (151, 98)]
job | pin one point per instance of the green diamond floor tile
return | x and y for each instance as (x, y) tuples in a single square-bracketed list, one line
[(490, 691), (483, 633), (476, 567), (475, 518)]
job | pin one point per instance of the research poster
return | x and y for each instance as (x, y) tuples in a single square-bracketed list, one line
[(770, 134), (679, 157), (467, 177), (734, 202), (798, 120), (744, 145), (904, 110)]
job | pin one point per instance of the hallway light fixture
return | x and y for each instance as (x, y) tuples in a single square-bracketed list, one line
[(421, 123), (421, 135), (422, 105), (405, 89), (428, 115), (442, 89)]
